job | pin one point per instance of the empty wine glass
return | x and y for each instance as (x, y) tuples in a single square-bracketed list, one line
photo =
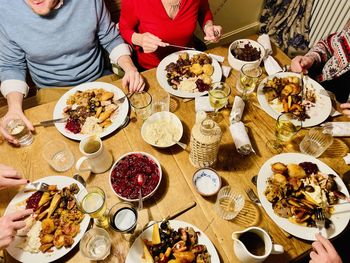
[(287, 125), (218, 96), (248, 79)]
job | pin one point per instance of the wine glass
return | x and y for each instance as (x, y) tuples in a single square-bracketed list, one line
[(248, 79), (92, 201), (218, 96), (287, 125)]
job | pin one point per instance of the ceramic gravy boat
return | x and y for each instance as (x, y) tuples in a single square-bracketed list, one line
[(254, 244)]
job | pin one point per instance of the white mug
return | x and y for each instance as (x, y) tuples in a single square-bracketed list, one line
[(243, 242), (98, 159)]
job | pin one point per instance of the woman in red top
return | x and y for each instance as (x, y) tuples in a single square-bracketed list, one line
[(150, 25)]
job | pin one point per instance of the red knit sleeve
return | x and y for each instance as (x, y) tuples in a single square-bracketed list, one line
[(128, 20), (204, 13)]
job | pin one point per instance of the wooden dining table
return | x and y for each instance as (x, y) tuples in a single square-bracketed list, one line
[(176, 188)]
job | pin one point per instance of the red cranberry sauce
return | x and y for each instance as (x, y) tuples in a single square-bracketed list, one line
[(33, 200), (125, 173), (73, 125)]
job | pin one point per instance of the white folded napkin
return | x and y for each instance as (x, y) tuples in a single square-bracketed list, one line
[(237, 109), (264, 40), (200, 116), (347, 158), (338, 129), (241, 138), (217, 57), (271, 66), (202, 104), (334, 113), (226, 71)]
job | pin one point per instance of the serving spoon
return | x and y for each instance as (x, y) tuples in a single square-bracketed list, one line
[(140, 182)]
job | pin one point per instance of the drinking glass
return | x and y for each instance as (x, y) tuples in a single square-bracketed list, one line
[(141, 103), (95, 244), (15, 126), (92, 201), (123, 218), (218, 96), (287, 125), (229, 202), (160, 101), (249, 77), (58, 155), (316, 141)]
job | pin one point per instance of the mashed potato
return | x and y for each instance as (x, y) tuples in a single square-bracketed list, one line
[(32, 242), (162, 132), (91, 126)]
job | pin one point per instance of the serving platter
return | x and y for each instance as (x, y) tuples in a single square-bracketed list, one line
[(117, 121), (24, 256), (340, 216), (318, 112), (162, 79), (136, 250)]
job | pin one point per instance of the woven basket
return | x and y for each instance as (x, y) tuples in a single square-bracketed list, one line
[(205, 142)]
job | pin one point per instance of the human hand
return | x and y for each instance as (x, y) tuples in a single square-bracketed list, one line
[(346, 107), (133, 81), (301, 64), (13, 114), (150, 42), (324, 252), (212, 32), (9, 224), (10, 177)]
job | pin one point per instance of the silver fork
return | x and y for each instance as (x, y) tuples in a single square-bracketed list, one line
[(320, 219), (37, 186), (252, 196)]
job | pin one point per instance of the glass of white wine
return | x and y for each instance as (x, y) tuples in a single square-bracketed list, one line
[(287, 125), (249, 78), (92, 201), (218, 96)]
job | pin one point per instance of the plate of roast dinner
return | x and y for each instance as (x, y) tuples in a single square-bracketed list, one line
[(292, 186), (188, 74), (57, 224), (172, 241), (285, 92), (91, 108)]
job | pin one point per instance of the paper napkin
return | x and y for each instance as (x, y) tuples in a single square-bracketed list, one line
[(202, 104), (237, 109), (226, 71), (241, 138), (347, 158), (216, 57), (264, 40), (338, 129), (271, 66)]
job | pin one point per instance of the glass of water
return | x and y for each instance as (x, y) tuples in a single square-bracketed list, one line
[(15, 126), (141, 102), (95, 244), (229, 202), (316, 141), (160, 101), (58, 155)]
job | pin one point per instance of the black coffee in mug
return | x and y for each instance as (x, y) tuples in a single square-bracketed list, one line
[(253, 242)]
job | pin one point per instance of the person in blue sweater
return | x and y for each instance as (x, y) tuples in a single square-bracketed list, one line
[(60, 44)]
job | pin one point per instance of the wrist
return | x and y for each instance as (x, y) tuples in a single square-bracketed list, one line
[(14, 101)]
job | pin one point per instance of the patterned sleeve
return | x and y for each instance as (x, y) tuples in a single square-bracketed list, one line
[(322, 51)]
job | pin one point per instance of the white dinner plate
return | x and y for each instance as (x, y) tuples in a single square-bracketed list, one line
[(162, 79), (24, 256), (318, 113), (339, 218), (136, 250), (117, 121)]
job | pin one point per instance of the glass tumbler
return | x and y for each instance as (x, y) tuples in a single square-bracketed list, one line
[(160, 101), (95, 244), (316, 141), (58, 155), (15, 126), (229, 202), (141, 102)]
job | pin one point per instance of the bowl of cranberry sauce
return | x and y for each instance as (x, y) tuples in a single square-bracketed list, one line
[(126, 172)]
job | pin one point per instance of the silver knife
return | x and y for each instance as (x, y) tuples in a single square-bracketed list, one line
[(182, 47), (302, 86), (50, 122)]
